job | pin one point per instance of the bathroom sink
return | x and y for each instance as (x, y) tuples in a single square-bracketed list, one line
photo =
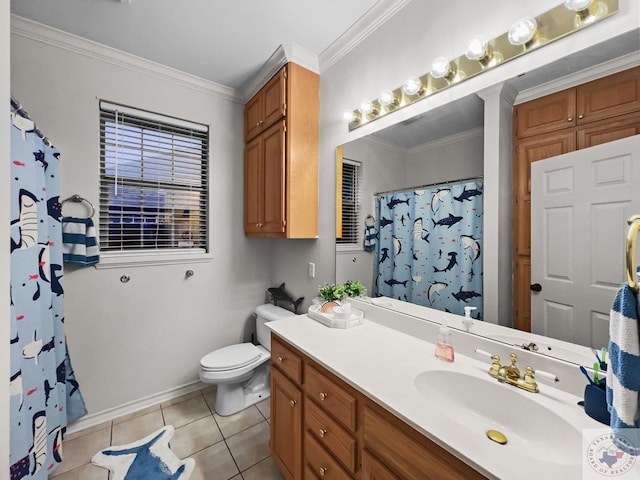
[(580, 355), (477, 405)]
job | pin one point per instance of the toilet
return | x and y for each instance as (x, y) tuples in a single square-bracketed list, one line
[(241, 371)]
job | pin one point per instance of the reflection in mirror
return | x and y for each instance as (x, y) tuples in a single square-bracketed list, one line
[(447, 143)]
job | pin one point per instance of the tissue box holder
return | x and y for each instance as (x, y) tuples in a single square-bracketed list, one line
[(329, 319)]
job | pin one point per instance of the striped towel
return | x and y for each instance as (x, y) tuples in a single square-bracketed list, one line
[(623, 374), (370, 234), (79, 242)]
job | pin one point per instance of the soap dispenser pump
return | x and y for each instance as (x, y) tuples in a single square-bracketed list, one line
[(444, 350), (467, 322)]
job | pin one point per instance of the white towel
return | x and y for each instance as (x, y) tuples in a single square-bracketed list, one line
[(79, 242), (623, 373)]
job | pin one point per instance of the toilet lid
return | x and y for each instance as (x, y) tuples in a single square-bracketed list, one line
[(228, 358)]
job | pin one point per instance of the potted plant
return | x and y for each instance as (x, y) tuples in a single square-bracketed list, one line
[(332, 292), (354, 288)]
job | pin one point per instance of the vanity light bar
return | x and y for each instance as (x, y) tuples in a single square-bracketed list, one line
[(552, 25)]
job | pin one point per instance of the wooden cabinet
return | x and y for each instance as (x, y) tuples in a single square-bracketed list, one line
[(406, 452), (281, 156), (267, 106), (597, 112), (286, 409), (343, 434)]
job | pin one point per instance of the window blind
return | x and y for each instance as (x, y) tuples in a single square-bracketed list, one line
[(351, 203), (153, 181)]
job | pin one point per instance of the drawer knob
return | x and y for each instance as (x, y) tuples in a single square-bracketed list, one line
[(323, 470), (323, 395), (292, 403), (580, 116), (280, 359), (322, 432)]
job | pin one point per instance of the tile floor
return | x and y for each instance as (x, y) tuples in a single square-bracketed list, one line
[(234, 447)]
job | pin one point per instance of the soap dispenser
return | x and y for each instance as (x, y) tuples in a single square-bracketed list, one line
[(444, 350), (467, 322)]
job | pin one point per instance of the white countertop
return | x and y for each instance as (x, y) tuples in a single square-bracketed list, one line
[(382, 363)]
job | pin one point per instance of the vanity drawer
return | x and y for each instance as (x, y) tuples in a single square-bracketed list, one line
[(407, 453), (319, 463), (286, 359), (331, 436), (331, 397)]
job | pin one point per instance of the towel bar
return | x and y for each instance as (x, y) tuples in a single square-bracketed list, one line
[(78, 199), (632, 275)]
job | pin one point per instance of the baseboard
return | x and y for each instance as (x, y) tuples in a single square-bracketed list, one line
[(112, 413)]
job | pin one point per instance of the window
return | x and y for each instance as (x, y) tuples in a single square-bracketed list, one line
[(153, 182), (351, 172)]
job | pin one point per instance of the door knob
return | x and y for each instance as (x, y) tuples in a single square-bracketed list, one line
[(536, 287)]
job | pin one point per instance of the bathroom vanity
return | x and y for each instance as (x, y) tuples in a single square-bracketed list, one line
[(372, 402)]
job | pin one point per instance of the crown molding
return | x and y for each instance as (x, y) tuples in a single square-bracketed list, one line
[(285, 53), (610, 67), (38, 32), (360, 30), (382, 143)]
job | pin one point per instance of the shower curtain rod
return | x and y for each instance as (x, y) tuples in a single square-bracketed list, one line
[(449, 182), (17, 107)]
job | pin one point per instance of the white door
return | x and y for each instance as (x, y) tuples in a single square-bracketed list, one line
[(580, 204)]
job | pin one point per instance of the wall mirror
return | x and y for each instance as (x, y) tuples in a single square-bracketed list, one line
[(446, 144)]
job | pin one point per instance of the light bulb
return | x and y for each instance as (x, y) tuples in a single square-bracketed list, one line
[(478, 48), (366, 106), (349, 116), (387, 98), (522, 31), (412, 86), (440, 67), (577, 5)]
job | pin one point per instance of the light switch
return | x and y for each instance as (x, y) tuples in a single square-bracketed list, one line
[(312, 270)]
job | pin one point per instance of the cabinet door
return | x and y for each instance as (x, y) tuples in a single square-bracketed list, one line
[(253, 186), (529, 151), (286, 426), (372, 469), (274, 179), (253, 117), (546, 114), (274, 98), (610, 96), (609, 130)]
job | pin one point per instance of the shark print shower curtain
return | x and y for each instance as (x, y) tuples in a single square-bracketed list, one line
[(44, 392), (429, 250)]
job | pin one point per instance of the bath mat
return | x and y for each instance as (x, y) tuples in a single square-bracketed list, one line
[(147, 459)]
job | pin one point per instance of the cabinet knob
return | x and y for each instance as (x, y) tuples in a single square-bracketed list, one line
[(570, 119), (280, 359), (323, 395), (257, 124), (581, 116), (323, 470), (292, 403), (322, 432)]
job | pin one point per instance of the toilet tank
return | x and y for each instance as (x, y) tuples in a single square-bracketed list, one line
[(268, 313)]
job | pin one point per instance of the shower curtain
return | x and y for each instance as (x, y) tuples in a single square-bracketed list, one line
[(429, 250), (44, 392)]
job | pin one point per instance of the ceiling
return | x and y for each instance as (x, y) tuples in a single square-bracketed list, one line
[(224, 41)]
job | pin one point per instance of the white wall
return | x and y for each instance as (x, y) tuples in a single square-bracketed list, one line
[(451, 158), (140, 339), (4, 241), (404, 46), (383, 168)]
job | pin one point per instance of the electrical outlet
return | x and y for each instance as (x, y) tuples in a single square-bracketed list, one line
[(312, 270)]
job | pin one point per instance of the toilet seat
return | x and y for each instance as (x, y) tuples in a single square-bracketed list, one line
[(230, 358)]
